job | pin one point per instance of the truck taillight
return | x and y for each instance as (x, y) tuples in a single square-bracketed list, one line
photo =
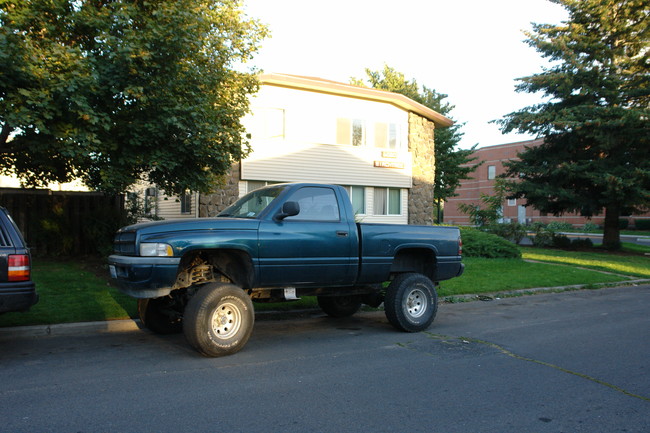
[(460, 247), (18, 267)]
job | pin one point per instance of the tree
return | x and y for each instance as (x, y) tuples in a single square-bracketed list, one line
[(113, 91), (451, 166), (595, 154), (492, 210)]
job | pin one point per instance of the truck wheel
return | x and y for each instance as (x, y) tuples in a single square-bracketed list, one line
[(411, 302), (218, 319), (159, 316), (339, 306)]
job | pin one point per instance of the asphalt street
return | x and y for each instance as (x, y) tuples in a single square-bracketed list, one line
[(568, 362)]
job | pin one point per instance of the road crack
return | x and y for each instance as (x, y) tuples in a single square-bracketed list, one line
[(511, 354)]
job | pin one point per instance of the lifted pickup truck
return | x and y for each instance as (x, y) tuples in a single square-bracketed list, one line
[(278, 243)]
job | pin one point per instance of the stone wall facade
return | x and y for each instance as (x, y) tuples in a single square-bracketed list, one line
[(421, 142), (226, 194)]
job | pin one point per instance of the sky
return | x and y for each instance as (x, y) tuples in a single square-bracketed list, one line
[(470, 50)]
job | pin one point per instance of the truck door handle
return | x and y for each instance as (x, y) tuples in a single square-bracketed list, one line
[(342, 234)]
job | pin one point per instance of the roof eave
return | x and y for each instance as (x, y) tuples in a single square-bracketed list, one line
[(348, 90)]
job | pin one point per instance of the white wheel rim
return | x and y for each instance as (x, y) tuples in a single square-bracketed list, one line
[(416, 303), (226, 320)]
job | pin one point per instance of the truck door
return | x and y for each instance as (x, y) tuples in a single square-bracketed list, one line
[(316, 247)]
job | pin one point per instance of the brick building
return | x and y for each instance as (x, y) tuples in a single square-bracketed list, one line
[(492, 159)]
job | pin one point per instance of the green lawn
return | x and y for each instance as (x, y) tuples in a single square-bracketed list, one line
[(500, 275), (633, 265), (69, 293), (73, 292)]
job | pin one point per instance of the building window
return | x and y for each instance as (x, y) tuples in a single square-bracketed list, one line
[(358, 199), (150, 201), (492, 171), (393, 136), (512, 202), (387, 136), (252, 185), (387, 201), (351, 132), (186, 203), (358, 132)]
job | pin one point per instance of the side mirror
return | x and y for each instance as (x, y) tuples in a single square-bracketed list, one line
[(289, 208)]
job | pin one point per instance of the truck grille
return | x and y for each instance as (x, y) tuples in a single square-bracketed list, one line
[(124, 243)]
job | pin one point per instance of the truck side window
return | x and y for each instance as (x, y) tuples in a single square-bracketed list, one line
[(316, 204)]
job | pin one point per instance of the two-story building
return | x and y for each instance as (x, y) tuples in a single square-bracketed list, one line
[(378, 144)]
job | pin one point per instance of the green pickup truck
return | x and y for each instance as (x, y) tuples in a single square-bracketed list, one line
[(281, 242)]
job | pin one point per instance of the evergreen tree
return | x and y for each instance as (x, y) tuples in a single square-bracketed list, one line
[(595, 156), (451, 166)]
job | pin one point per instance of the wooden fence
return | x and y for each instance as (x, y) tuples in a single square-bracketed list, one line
[(65, 222)]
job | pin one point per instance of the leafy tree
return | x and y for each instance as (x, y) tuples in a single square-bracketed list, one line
[(112, 91), (490, 211), (450, 162), (595, 154)]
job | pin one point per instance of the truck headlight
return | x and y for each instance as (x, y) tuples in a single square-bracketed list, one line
[(156, 249)]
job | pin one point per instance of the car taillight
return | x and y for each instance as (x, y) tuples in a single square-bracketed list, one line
[(19, 268), (460, 247)]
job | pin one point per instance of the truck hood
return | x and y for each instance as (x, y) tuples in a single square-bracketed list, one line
[(193, 224)]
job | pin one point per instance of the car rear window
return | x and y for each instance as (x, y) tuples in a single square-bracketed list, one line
[(5, 240)]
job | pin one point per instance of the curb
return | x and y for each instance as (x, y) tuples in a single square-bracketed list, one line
[(63, 329), (131, 325), (541, 290), (125, 325)]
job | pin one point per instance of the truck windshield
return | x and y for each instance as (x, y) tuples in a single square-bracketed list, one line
[(253, 203)]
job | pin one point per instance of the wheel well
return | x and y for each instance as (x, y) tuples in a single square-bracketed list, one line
[(420, 260), (235, 265)]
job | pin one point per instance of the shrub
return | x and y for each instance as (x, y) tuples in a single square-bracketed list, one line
[(623, 223), (481, 244), (561, 241), (590, 227), (512, 231), (581, 243), (642, 224), (559, 226), (542, 236)]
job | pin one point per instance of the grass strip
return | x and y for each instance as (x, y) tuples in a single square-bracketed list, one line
[(497, 275), (68, 293), (633, 265)]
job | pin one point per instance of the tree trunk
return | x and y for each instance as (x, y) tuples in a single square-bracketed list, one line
[(612, 232)]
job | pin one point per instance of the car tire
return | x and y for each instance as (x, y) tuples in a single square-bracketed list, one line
[(218, 319), (339, 306), (159, 316), (411, 302)]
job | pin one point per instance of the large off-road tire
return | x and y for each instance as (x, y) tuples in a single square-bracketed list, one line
[(218, 319), (339, 306), (159, 315), (411, 302)]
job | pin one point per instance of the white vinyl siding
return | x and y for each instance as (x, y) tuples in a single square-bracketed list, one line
[(343, 165), (169, 207)]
